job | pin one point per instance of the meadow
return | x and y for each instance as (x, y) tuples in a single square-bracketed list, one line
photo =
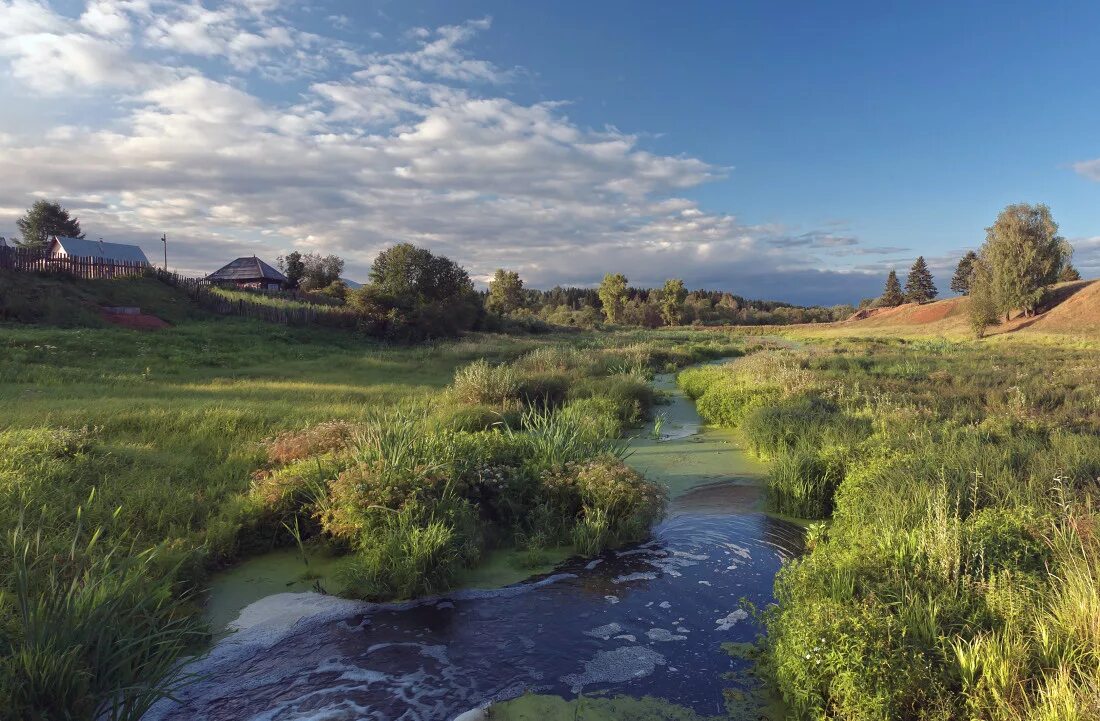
[(957, 572), (133, 464)]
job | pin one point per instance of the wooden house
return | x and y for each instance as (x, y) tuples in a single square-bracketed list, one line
[(249, 272)]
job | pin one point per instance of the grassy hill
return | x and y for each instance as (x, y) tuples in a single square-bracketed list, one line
[(1073, 311), (58, 300)]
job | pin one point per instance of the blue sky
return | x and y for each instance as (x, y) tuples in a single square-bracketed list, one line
[(785, 150)]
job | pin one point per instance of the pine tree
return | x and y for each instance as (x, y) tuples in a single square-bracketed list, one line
[(1069, 273), (961, 282), (892, 296), (43, 220), (919, 287)]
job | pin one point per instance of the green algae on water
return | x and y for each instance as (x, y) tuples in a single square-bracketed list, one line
[(537, 707), (508, 566)]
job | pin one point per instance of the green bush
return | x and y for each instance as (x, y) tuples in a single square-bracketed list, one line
[(482, 383), (632, 395)]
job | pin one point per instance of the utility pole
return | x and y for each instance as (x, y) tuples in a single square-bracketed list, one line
[(164, 239)]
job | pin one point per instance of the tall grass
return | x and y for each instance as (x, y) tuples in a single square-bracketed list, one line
[(93, 634), (958, 579)]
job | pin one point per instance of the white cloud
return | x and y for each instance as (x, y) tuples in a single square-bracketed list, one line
[(1089, 168), (415, 145)]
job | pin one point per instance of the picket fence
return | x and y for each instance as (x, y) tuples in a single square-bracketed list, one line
[(27, 260)]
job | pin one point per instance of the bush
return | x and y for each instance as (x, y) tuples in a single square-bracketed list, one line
[(617, 504), (413, 551), (632, 395), (482, 383)]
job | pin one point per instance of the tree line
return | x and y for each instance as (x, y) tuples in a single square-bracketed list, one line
[(616, 302)]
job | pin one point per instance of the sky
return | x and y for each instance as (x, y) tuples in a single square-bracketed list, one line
[(783, 150)]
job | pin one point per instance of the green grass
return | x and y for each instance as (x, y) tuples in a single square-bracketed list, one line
[(960, 575), (274, 301), (193, 446)]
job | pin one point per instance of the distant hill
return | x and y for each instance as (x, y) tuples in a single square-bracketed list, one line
[(1073, 309)]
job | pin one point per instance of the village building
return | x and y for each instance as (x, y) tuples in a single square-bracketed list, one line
[(60, 247), (250, 272)]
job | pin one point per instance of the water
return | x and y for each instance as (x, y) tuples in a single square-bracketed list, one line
[(649, 619)]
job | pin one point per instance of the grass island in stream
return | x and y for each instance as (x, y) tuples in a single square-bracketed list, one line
[(653, 618)]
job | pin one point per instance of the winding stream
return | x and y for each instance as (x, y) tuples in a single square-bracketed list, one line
[(647, 620)]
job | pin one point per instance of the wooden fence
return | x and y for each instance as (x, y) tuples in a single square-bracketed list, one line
[(23, 259), (198, 289)]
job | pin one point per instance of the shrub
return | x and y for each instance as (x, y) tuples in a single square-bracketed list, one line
[(485, 384), (618, 504), (413, 551), (311, 441), (632, 395), (543, 389)]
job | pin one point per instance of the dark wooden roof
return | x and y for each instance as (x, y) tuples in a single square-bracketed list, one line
[(247, 269)]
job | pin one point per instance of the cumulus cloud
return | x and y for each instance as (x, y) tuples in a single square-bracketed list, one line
[(420, 144)]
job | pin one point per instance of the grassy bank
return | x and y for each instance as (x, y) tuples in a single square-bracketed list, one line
[(133, 463), (960, 575)]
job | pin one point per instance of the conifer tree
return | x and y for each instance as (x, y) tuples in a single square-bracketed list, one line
[(891, 295), (961, 282), (919, 287), (1068, 274)]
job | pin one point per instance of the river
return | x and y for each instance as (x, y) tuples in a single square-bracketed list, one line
[(647, 620)]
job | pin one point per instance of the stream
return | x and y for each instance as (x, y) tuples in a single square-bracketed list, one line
[(646, 620)]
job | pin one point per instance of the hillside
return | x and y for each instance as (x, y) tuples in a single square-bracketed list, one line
[(59, 300), (1073, 310)]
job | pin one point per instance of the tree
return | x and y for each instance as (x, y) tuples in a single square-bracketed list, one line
[(983, 310), (43, 220), (416, 275), (1069, 273), (320, 271), (414, 294), (1025, 254), (919, 287), (292, 266), (613, 296), (505, 292), (960, 283), (672, 301), (891, 295)]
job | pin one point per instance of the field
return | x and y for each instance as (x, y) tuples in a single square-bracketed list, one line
[(137, 462), (954, 564), (959, 574)]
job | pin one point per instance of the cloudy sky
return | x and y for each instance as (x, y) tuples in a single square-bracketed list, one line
[(792, 150)]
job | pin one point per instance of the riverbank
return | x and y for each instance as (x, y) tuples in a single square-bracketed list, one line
[(640, 620), (960, 575)]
